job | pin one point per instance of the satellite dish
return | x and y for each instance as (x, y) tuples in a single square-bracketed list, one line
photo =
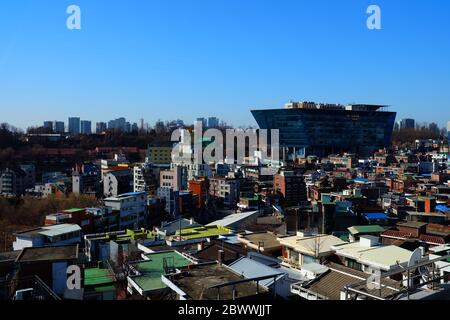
[(415, 257)]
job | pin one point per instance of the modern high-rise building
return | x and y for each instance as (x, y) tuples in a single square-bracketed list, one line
[(74, 125), (118, 124), (203, 121), (448, 131), (324, 129), (58, 127), (407, 124), (48, 125), (86, 127), (100, 127), (213, 122)]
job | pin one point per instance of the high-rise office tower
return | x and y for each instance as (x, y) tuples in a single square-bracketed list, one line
[(48, 125), (58, 127), (100, 127), (213, 122), (74, 125), (448, 131), (86, 127), (407, 124)]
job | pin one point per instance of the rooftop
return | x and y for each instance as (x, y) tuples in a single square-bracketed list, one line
[(250, 268), (152, 270), (412, 224), (123, 235), (203, 232), (51, 231), (333, 282), (233, 218), (73, 210), (365, 229), (268, 241), (311, 245), (43, 254), (197, 283), (98, 277), (383, 257)]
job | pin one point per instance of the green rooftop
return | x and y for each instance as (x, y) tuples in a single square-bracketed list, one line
[(130, 234), (73, 210), (98, 277), (203, 232), (152, 270), (366, 229)]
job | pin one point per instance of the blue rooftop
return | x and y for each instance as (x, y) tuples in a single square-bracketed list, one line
[(376, 216), (442, 208), (130, 194)]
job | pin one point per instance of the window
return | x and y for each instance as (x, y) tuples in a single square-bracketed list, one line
[(351, 263)]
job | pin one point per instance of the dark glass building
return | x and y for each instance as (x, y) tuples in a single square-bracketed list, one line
[(307, 128)]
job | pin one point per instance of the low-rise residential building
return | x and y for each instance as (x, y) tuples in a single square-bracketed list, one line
[(304, 248), (146, 276), (291, 186), (99, 283), (56, 235), (237, 221), (214, 282), (225, 190), (369, 256), (12, 181), (97, 247), (197, 234), (132, 208), (264, 242), (117, 182), (49, 264)]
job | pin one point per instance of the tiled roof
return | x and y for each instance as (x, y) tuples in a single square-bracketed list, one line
[(396, 234), (432, 239)]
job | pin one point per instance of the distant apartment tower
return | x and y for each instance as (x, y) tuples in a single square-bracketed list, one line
[(119, 124), (100, 127), (203, 121), (86, 127), (160, 127), (213, 122), (448, 131), (407, 124), (74, 125), (59, 127), (433, 127), (48, 125)]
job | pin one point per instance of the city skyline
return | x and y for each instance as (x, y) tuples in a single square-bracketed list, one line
[(160, 61)]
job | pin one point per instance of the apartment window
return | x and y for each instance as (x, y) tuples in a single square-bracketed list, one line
[(351, 263)]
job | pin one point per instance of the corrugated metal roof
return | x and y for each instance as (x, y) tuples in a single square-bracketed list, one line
[(251, 269), (233, 218), (59, 229)]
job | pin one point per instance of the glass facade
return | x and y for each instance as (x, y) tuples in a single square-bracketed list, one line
[(323, 132)]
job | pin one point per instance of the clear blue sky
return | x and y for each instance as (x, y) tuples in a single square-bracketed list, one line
[(184, 59)]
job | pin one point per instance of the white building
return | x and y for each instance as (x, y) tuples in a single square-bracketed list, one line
[(57, 235), (369, 256), (132, 209)]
